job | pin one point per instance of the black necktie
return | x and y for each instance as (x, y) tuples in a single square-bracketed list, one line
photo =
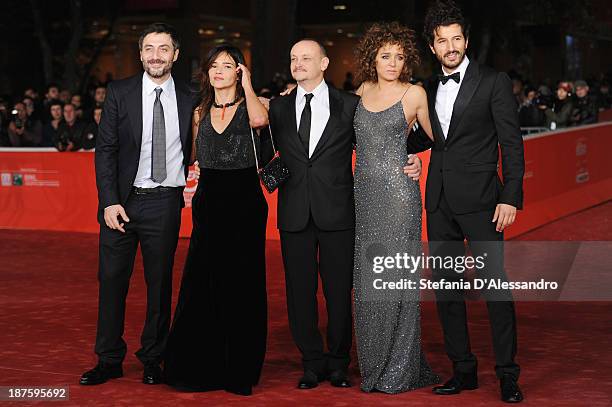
[(304, 130), (443, 78)]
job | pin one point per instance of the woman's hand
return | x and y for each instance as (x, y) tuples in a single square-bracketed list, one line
[(246, 77), (257, 109), (196, 170)]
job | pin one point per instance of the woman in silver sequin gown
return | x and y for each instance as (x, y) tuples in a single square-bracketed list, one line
[(388, 218)]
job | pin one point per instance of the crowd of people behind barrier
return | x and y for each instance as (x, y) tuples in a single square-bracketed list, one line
[(569, 104), (69, 122), (60, 119)]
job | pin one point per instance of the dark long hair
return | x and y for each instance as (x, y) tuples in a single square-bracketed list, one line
[(207, 92)]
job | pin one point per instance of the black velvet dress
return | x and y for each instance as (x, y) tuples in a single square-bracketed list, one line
[(218, 335)]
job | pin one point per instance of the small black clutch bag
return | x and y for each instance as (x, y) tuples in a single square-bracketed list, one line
[(273, 174)]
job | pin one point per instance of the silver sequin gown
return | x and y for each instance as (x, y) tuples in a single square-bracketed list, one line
[(388, 222)]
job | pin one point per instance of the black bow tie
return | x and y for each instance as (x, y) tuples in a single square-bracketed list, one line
[(443, 78)]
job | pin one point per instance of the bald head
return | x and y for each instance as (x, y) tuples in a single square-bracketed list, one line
[(308, 63), (314, 43)]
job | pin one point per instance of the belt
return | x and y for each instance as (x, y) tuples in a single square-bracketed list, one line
[(145, 191)]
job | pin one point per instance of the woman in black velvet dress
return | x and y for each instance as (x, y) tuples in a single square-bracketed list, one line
[(218, 335)]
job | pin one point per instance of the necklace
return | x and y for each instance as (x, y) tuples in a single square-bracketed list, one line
[(225, 106)]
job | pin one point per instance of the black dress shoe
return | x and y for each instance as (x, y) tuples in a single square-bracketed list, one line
[(456, 385), (310, 380), (152, 374), (101, 373), (339, 378), (510, 391)]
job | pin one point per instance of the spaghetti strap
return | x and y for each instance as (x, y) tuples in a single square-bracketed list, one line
[(402, 98)]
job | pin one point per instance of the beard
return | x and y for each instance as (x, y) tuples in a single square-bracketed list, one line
[(166, 67), (450, 65)]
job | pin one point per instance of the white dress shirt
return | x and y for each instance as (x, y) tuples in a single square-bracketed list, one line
[(174, 150), (447, 94), (319, 105)]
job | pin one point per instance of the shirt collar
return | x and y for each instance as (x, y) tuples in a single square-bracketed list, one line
[(149, 86), (461, 68), (317, 92)]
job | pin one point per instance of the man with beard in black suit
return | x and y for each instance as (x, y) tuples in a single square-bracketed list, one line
[(473, 115)]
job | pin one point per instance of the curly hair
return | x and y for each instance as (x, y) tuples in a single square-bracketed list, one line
[(376, 37), (443, 13)]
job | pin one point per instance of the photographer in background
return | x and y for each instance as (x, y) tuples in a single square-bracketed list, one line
[(560, 114), (22, 130), (529, 113), (74, 133), (585, 106)]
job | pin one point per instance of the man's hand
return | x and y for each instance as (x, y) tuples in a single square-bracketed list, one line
[(196, 170), (111, 217), (413, 168), (287, 91), (504, 216)]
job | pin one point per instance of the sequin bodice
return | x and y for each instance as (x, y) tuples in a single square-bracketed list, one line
[(231, 149)]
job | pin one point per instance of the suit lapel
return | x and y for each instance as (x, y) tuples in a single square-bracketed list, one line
[(432, 90), (466, 91), (134, 106), (335, 112)]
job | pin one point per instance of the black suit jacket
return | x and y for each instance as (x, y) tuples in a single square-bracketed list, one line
[(465, 164), (120, 137), (322, 184)]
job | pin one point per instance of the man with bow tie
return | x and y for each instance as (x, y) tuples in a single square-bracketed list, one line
[(473, 115)]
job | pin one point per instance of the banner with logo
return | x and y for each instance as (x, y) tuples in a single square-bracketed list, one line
[(41, 188)]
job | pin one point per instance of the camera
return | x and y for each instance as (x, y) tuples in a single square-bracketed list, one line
[(64, 140), (16, 119), (544, 100)]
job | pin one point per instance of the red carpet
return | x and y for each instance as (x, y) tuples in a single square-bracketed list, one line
[(48, 299)]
